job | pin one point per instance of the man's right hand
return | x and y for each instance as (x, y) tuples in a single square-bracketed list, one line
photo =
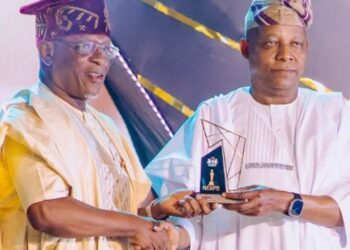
[(70, 218), (178, 237), (147, 236)]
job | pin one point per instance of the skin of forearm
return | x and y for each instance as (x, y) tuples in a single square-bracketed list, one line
[(322, 210), (70, 218)]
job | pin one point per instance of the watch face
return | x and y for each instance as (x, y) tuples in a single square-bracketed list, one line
[(295, 207)]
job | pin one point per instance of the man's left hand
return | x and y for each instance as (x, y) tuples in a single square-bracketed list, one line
[(258, 200), (182, 203)]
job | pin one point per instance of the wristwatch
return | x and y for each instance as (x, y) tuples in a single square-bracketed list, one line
[(295, 206)]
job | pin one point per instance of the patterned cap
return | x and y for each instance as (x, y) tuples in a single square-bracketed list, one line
[(57, 18), (278, 12)]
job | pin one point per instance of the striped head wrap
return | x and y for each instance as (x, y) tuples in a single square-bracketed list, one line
[(278, 12)]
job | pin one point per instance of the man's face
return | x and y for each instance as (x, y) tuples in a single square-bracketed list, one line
[(80, 76), (277, 56)]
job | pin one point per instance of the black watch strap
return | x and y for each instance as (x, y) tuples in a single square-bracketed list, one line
[(295, 206), (296, 196)]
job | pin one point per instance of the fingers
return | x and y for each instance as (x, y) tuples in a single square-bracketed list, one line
[(194, 204), (250, 188), (157, 226), (243, 196), (240, 207), (182, 193), (162, 225), (173, 235), (183, 203), (189, 206), (206, 208), (213, 206), (171, 231), (175, 204), (255, 203), (159, 239), (246, 200), (151, 235)]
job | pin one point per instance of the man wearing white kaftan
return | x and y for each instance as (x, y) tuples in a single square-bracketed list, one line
[(316, 162), (286, 150)]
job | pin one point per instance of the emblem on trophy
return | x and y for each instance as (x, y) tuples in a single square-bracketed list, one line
[(211, 181)]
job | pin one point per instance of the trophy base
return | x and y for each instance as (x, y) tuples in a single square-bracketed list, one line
[(217, 198)]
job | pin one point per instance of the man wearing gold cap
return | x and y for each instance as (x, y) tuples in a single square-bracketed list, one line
[(285, 149), (71, 180)]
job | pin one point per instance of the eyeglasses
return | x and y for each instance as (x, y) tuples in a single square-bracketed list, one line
[(86, 48)]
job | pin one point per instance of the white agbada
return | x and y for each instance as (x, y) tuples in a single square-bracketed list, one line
[(302, 147)]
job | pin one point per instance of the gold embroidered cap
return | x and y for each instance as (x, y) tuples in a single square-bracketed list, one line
[(57, 18)]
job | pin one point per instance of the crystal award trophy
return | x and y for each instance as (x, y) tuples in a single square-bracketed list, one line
[(221, 165)]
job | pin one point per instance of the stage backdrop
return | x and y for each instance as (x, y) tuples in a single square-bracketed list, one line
[(175, 53), (179, 52)]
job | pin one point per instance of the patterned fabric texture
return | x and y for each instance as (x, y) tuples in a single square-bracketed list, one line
[(57, 18), (279, 12)]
